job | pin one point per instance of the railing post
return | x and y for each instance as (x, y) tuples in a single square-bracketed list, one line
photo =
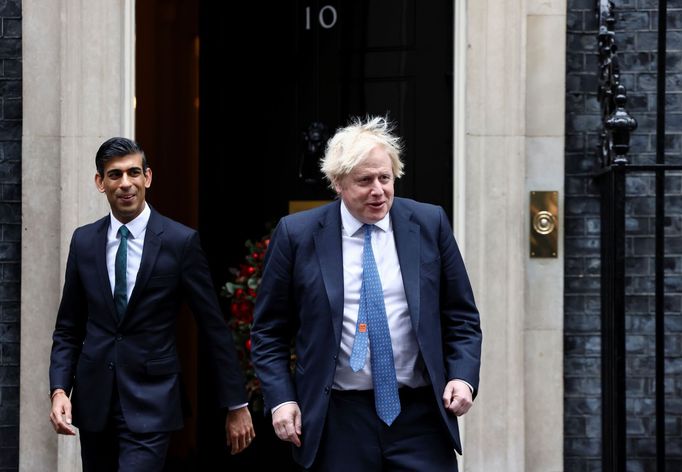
[(613, 318), (617, 125)]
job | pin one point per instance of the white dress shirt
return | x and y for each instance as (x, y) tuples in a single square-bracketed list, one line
[(409, 366), (138, 229)]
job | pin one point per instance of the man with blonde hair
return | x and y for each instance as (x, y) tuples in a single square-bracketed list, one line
[(375, 293)]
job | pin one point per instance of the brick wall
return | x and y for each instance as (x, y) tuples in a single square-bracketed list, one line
[(637, 41), (10, 229)]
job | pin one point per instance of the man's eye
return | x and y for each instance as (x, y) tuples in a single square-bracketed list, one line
[(114, 175), (134, 173)]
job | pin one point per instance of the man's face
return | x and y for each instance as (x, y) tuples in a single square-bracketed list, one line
[(368, 190), (124, 182)]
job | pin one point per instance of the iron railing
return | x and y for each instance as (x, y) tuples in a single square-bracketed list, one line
[(617, 125)]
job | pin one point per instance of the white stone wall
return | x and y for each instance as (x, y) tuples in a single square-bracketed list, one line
[(513, 135), (78, 61)]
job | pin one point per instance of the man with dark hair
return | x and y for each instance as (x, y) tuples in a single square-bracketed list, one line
[(114, 368)]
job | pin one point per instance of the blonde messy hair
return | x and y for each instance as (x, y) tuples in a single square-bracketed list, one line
[(350, 145)]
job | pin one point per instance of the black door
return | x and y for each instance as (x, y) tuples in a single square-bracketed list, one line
[(290, 73)]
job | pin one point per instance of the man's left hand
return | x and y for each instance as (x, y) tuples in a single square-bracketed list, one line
[(457, 397), (239, 429)]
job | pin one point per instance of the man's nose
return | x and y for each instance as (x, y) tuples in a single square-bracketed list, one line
[(125, 181), (376, 187)]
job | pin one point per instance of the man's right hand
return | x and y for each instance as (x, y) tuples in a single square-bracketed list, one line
[(60, 416), (287, 423)]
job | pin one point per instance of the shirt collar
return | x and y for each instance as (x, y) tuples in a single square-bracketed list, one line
[(352, 225), (136, 226)]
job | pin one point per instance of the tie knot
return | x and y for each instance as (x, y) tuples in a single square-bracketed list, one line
[(124, 232), (368, 228)]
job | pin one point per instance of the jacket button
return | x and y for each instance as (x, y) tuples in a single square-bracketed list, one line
[(119, 337), (326, 390), (111, 366)]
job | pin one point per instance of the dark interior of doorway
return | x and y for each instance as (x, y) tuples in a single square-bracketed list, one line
[(171, 37), (226, 92)]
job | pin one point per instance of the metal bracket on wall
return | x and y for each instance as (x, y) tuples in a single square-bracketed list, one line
[(544, 223)]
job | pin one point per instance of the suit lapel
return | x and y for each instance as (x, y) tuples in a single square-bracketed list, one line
[(100, 251), (330, 253), (150, 250), (407, 242)]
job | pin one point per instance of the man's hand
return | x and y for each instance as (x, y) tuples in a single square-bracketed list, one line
[(239, 429), (60, 416), (457, 397), (287, 423)]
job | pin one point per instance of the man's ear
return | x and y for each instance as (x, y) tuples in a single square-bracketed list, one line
[(99, 182), (148, 177)]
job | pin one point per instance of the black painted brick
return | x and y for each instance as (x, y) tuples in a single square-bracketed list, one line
[(10, 49), (592, 225), (10, 311), (581, 5), (574, 226), (11, 232), (11, 109), (585, 245), (10, 192), (11, 272), (574, 465), (7, 397), (9, 458), (592, 304), (575, 426), (9, 437), (10, 8), (582, 405), (11, 68), (574, 21), (9, 377), (582, 345), (639, 323), (11, 28), (10, 354), (637, 44), (586, 385), (582, 365), (590, 447), (582, 323), (10, 229)]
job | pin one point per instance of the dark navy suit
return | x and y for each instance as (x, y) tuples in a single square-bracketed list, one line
[(95, 353), (302, 292)]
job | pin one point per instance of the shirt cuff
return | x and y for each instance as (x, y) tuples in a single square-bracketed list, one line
[(281, 405), (467, 384), (53, 391), (237, 407)]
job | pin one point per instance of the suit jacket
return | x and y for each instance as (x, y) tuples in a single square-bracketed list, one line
[(301, 292), (94, 352)]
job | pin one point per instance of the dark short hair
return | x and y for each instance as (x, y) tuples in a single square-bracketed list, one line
[(117, 147)]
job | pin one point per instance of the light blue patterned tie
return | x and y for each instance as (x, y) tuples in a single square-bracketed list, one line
[(372, 326), (121, 267)]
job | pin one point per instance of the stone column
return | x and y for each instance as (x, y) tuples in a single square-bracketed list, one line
[(544, 320), (78, 90), (511, 142)]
